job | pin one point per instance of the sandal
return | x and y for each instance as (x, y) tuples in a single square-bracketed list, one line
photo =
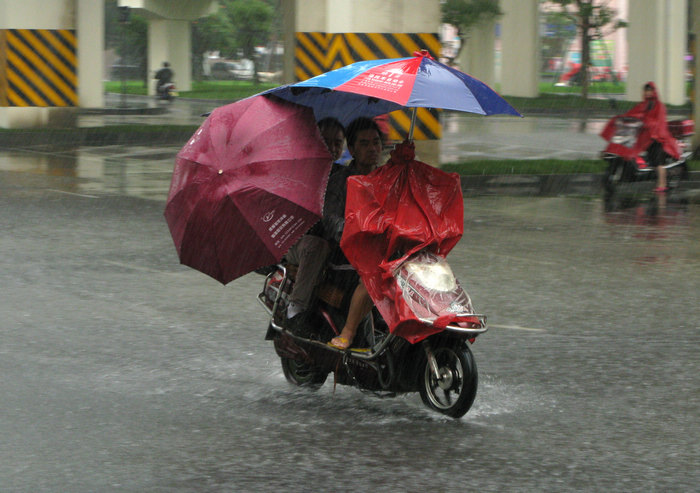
[(339, 343)]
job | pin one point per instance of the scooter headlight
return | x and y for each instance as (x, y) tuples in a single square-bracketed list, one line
[(436, 277), (429, 287)]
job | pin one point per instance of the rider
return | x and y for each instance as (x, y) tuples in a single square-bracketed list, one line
[(364, 139), (654, 136), (163, 76)]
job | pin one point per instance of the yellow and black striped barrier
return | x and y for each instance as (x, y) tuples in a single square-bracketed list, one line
[(38, 67), (317, 52)]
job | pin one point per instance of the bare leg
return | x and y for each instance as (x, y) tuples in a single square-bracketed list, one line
[(360, 306), (661, 177)]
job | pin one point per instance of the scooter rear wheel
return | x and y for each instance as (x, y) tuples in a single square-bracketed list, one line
[(454, 391), (302, 374)]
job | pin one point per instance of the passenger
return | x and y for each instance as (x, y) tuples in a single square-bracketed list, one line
[(364, 140), (311, 252)]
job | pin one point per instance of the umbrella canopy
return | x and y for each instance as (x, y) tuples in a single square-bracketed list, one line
[(247, 185), (374, 87)]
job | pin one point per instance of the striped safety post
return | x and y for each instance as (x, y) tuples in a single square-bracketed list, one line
[(316, 53), (38, 67)]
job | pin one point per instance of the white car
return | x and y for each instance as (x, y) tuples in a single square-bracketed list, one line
[(241, 70)]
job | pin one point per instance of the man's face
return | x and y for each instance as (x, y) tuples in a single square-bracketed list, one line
[(367, 149), (334, 139)]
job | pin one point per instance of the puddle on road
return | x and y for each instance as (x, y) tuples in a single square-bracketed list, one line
[(138, 171), (650, 229)]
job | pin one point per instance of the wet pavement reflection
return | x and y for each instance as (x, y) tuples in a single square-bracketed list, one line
[(140, 171)]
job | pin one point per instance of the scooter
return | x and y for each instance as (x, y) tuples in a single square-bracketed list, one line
[(440, 366), (621, 169), (166, 91)]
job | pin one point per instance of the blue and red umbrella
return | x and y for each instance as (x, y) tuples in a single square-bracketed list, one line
[(375, 87)]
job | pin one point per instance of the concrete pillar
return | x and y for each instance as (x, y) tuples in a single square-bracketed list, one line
[(170, 41), (90, 52), (41, 14), (169, 35), (369, 16), (520, 48), (478, 56), (289, 27), (657, 38)]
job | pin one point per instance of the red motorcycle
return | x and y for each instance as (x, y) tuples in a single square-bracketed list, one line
[(441, 367), (624, 169), (418, 336)]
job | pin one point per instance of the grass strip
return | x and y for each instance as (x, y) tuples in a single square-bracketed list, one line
[(219, 90)]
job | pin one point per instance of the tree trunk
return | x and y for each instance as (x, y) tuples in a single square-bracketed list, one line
[(585, 55)]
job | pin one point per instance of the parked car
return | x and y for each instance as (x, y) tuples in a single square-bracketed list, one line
[(242, 70)]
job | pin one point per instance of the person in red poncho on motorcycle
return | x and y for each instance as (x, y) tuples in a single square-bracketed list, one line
[(654, 137)]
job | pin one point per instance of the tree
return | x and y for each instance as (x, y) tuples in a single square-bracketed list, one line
[(559, 34), (252, 22), (212, 33), (464, 14), (128, 39), (594, 19)]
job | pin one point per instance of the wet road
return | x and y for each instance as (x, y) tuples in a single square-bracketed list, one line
[(473, 137), (465, 136), (124, 371)]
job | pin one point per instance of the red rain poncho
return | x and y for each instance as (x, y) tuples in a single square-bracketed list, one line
[(655, 128), (403, 206)]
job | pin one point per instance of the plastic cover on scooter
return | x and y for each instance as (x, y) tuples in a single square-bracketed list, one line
[(395, 211), (430, 289)]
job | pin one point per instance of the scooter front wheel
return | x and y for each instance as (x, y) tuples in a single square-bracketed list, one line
[(302, 374), (676, 174), (453, 391), (613, 176)]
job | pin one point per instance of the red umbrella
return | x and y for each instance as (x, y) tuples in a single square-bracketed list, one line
[(248, 184)]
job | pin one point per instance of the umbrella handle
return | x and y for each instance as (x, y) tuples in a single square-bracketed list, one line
[(413, 123)]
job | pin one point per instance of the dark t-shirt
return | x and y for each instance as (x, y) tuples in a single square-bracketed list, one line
[(334, 204), (164, 75)]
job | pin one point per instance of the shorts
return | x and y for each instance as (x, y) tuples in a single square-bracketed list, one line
[(656, 155)]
